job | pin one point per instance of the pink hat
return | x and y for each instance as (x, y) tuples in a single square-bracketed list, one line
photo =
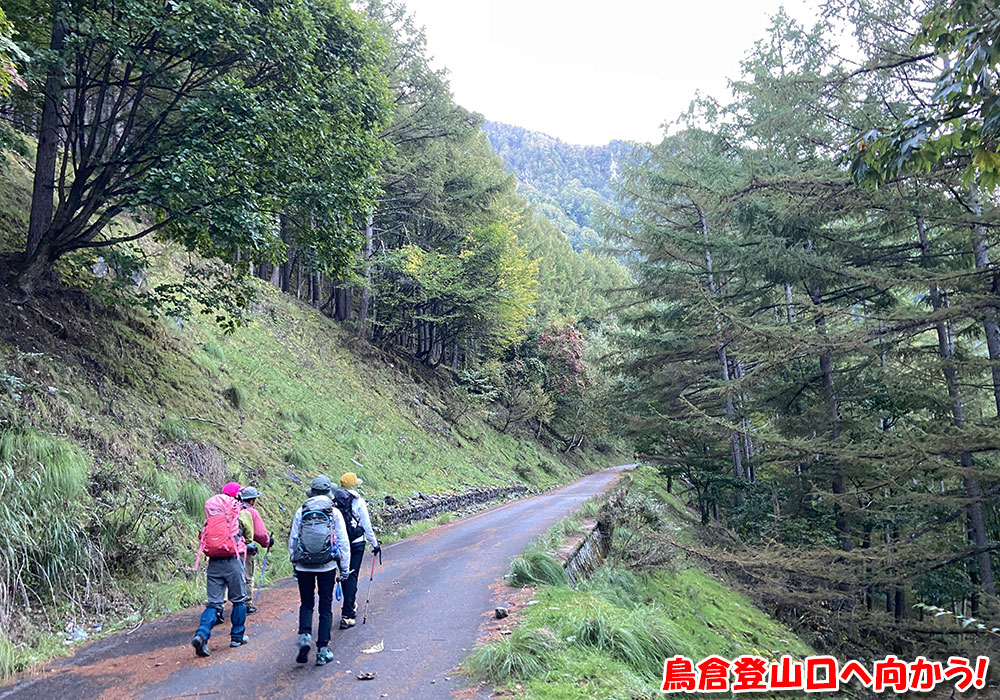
[(232, 489)]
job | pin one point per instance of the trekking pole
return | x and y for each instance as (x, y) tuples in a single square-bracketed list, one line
[(263, 568), (371, 580)]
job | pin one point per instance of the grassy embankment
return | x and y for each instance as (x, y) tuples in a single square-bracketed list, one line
[(608, 638), (114, 428)]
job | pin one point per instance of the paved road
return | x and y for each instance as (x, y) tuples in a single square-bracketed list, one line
[(429, 602)]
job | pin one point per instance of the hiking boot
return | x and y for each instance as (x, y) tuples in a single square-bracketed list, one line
[(305, 641), (347, 623), (200, 645), (323, 656), (236, 641), (251, 608)]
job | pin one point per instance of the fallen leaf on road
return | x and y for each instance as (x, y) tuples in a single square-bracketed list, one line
[(375, 649)]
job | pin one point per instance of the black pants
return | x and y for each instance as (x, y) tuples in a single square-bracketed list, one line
[(350, 584), (309, 581)]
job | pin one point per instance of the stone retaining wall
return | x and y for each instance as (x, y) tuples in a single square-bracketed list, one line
[(393, 513), (589, 554)]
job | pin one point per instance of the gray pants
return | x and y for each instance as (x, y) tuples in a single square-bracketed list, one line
[(225, 575)]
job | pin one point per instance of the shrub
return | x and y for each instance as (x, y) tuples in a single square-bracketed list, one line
[(237, 396), (523, 655), (536, 568), (175, 428)]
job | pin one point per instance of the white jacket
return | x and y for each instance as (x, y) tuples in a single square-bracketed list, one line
[(360, 510)]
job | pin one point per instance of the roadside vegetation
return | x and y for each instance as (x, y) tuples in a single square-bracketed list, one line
[(608, 637)]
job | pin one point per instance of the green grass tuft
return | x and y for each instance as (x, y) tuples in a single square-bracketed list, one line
[(636, 638), (444, 518), (192, 497), (178, 592), (302, 418), (523, 655), (237, 396), (537, 568), (297, 458), (10, 659), (43, 479), (175, 428), (214, 350)]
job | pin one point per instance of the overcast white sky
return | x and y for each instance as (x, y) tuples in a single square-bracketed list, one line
[(588, 71)]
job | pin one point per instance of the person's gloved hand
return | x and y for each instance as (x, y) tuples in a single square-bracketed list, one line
[(270, 542), (377, 550), (251, 548)]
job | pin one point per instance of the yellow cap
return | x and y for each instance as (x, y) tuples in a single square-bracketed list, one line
[(349, 480)]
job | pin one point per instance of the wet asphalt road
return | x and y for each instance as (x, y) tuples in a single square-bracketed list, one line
[(430, 599)]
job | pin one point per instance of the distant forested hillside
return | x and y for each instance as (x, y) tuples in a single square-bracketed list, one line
[(566, 183)]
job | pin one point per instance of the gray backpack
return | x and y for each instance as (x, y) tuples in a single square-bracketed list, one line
[(316, 536)]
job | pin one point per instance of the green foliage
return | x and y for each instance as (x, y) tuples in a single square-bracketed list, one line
[(175, 428), (10, 659), (214, 350), (536, 567), (960, 120), (522, 655), (176, 593), (631, 638), (617, 627), (568, 183), (302, 418), (258, 127), (10, 56), (192, 497), (237, 396), (42, 557), (297, 458)]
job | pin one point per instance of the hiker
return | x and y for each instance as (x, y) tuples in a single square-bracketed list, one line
[(317, 544), (359, 528), (248, 500), (222, 541)]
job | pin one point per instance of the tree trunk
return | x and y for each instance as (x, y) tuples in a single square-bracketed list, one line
[(366, 293), (946, 350), (38, 256), (833, 413), (981, 254), (730, 408)]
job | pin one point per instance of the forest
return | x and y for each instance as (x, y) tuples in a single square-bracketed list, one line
[(788, 306)]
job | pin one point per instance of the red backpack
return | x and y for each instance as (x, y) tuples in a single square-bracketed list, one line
[(221, 534)]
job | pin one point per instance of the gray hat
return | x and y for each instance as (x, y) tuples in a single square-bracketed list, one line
[(320, 485), (248, 493)]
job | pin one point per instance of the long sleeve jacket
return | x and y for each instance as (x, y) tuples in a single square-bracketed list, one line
[(342, 546), (360, 510)]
